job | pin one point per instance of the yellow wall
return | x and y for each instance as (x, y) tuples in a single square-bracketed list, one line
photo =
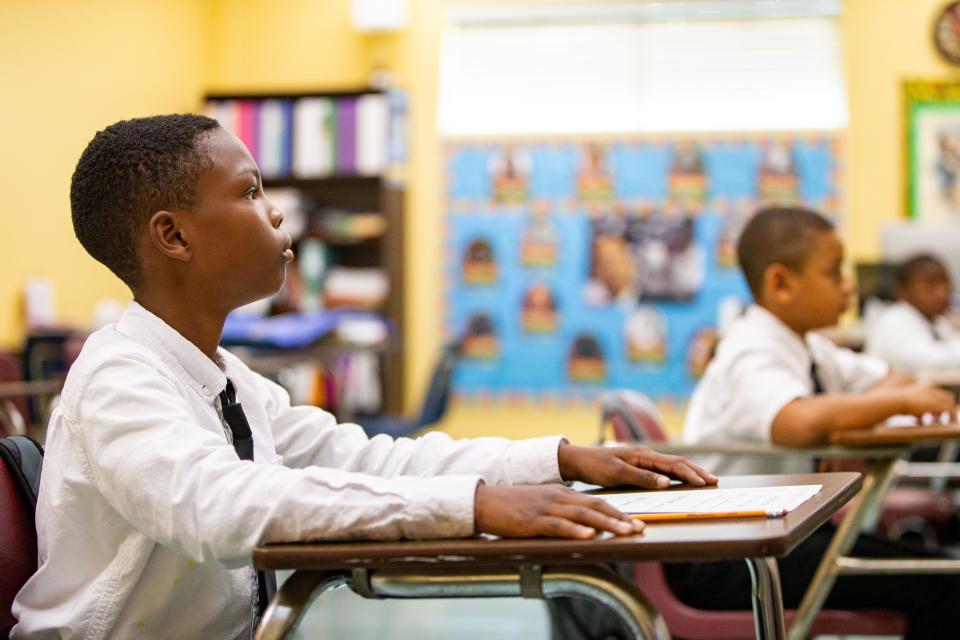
[(885, 42), (69, 68), (264, 45)]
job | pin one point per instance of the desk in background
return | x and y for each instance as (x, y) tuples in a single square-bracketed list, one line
[(545, 568), (887, 449)]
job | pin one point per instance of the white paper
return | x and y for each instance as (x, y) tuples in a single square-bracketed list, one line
[(775, 501)]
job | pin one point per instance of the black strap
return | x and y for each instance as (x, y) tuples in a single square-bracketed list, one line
[(243, 444), (24, 457)]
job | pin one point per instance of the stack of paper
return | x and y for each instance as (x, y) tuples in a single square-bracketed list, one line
[(772, 502)]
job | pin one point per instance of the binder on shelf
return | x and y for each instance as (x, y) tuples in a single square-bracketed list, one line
[(249, 126), (274, 133), (313, 141), (371, 127), (346, 137), (225, 112)]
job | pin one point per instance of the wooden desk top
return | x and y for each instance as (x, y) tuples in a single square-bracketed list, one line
[(699, 540), (888, 436)]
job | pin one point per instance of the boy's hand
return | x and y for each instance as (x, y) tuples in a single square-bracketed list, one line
[(919, 398), (639, 466), (546, 510)]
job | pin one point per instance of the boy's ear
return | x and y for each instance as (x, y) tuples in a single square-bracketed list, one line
[(167, 235), (778, 284)]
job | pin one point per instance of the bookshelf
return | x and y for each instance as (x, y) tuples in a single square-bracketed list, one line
[(342, 152)]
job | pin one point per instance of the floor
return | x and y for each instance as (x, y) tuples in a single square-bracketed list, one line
[(342, 614)]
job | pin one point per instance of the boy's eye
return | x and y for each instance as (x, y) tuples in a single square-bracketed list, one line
[(250, 193)]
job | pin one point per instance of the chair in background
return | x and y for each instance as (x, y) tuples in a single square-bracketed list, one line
[(20, 462), (14, 412), (434, 402), (634, 418)]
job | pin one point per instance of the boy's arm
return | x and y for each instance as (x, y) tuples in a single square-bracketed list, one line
[(809, 421), (307, 436), (183, 485)]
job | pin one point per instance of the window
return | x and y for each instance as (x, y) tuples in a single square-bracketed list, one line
[(726, 65)]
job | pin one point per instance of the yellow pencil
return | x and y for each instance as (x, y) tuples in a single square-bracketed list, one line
[(711, 515)]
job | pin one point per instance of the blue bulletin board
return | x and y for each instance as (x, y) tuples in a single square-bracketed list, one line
[(574, 265)]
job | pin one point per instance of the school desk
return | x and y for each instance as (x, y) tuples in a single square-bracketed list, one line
[(545, 568), (886, 448)]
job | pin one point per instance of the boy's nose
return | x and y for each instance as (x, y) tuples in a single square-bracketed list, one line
[(276, 216)]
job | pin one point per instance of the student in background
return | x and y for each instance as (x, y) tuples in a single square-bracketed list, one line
[(914, 334), (168, 460), (773, 380)]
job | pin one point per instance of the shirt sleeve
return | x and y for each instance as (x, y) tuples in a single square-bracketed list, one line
[(183, 486), (307, 436), (761, 385), (854, 372)]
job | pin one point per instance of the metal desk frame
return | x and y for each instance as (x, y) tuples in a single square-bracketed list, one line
[(887, 463)]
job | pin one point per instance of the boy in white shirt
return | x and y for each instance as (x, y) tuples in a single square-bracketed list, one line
[(774, 380), (157, 485), (913, 334)]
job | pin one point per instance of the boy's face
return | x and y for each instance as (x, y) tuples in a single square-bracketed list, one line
[(815, 296), (928, 290), (239, 252)]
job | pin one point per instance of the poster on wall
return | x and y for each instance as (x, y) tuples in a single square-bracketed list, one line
[(932, 112), (575, 265)]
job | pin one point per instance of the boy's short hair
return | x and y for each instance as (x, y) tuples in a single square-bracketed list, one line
[(778, 235), (129, 171), (909, 268)]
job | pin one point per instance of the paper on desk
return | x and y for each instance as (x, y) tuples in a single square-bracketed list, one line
[(927, 420), (775, 501)]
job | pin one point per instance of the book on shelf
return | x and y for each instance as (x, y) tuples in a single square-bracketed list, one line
[(315, 136)]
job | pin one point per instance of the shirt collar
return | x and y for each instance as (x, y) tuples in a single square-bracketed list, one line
[(774, 327), (196, 369)]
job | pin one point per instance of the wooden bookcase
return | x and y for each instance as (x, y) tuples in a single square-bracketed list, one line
[(362, 193)]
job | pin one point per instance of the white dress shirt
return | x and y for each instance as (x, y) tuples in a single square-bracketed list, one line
[(760, 366), (147, 518), (904, 337)]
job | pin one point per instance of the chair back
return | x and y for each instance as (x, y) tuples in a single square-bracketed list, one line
[(685, 621), (21, 460), (633, 417), (438, 391)]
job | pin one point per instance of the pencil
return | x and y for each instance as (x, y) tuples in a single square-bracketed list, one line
[(710, 515)]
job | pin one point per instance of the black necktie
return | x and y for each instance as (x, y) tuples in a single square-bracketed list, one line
[(243, 445), (817, 385)]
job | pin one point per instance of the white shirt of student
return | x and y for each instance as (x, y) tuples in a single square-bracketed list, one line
[(147, 518), (904, 337), (760, 366)]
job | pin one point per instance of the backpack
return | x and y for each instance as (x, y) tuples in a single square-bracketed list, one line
[(24, 457)]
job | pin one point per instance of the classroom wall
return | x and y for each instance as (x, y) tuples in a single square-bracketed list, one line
[(68, 69), (885, 42), (284, 45)]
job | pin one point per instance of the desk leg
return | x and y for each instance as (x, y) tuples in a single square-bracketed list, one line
[(875, 486), (767, 598), (292, 600), (598, 584)]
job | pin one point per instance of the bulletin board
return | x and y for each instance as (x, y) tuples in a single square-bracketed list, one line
[(574, 265)]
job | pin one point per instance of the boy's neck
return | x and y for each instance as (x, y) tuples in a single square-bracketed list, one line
[(785, 318), (200, 326)]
